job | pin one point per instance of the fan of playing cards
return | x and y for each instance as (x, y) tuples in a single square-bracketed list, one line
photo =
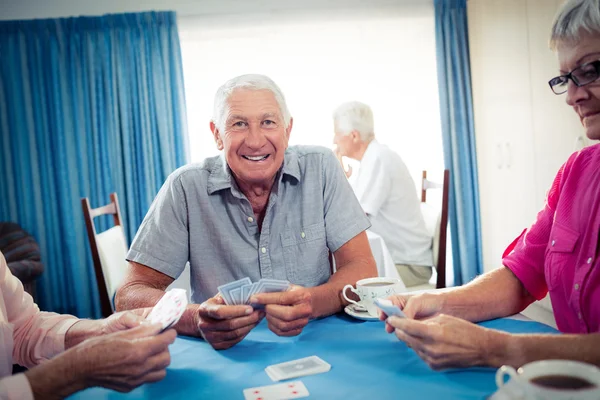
[(169, 308), (240, 291)]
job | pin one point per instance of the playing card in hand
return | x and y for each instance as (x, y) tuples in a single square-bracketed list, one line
[(240, 291), (169, 308), (279, 391)]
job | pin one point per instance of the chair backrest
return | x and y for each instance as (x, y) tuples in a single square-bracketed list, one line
[(109, 249), (439, 227)]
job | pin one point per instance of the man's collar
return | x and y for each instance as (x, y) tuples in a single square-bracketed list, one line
[(220, 177)]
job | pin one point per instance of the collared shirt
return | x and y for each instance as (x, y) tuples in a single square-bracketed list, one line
[(387, 193), (559, 252), (201, 216), (27, 335)]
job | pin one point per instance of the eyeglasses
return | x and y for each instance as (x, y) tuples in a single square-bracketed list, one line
[(581, 76)]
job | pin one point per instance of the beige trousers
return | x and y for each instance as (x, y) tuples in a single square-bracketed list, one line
[(413, 275)]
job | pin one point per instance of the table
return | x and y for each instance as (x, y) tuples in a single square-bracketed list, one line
[(366, 363), (383, 257)]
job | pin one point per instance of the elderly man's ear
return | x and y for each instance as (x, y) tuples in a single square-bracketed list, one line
[(216, 135)]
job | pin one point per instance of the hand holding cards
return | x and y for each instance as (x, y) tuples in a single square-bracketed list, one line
[(389, 308), (240, 291), (169, 308)]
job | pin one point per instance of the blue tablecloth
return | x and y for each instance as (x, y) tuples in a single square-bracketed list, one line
[(366, 363)]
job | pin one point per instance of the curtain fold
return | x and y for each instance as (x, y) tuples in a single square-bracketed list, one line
[(88, 106), (458, 135)]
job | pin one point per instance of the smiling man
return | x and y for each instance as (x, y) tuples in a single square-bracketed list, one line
[(261, 209)]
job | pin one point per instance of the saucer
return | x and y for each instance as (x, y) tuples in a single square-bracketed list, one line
[(362, 315)]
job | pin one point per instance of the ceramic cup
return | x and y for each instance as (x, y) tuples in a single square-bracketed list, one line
[(552, 380), (372, 288)]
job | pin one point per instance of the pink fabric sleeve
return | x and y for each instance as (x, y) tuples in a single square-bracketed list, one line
[(525, 255), (37, 336), (15, 387)]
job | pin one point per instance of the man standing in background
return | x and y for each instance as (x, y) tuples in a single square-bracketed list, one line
[(386, 192)]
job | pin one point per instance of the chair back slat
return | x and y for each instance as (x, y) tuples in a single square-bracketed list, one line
[(107, 248), (440, 231)]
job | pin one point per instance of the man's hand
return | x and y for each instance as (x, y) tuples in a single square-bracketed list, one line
[(224, 326), (348, 171), (449, 342), (287, 312)]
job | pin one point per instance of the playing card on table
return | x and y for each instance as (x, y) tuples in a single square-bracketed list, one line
[(301, 367), (279, 391), (226, 289), (169, 308)]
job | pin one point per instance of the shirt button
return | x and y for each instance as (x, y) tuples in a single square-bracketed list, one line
[(264, 250), (303, 235), (579, 315), (552, 244), (577, 286), (250, 219), (590, 260)]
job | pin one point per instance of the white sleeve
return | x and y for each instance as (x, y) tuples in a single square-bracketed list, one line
[(15, 387), (373, 187)]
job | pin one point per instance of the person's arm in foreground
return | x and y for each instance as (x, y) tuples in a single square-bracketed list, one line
[(221, 325), (288, 312), (442, 337)]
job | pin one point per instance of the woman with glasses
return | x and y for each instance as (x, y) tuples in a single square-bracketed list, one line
[(558, 254)]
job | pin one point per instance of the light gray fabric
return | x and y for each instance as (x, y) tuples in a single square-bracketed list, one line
[(202, 217)]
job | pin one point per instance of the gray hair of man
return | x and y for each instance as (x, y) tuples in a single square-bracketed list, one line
[(574, 18), (355, 116), (247, 82)]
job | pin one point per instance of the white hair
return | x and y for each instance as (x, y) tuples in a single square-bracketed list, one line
[(573, 18), (355, 116), (247, 82)]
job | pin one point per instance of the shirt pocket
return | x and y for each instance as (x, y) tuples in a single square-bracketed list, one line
[(306, 255), (559, 254)]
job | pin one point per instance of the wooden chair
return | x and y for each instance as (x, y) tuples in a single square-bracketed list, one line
[(109, 249), (440, 225)]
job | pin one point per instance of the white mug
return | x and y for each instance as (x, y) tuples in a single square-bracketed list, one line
[(372, 288), (540, 380)]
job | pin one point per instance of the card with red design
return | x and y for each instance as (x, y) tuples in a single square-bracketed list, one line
[(279, 391), (169, 308)]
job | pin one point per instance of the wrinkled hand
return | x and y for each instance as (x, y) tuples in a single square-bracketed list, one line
[(445, 341), (124, 320), (224, 326), (420, 306), (287, 312), (348, 171), (127, 359)]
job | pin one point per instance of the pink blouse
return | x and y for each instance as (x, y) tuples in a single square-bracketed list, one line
[(28, 336), (559, 252)]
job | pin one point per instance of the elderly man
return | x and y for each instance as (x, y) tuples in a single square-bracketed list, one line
[(260, 210), (386, 192)]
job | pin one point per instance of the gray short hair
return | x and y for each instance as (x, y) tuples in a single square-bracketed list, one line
[(574, 17), (247, 82), (355, 116)]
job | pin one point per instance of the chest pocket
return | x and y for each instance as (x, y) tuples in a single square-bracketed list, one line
[(560, 255), (306, 255)]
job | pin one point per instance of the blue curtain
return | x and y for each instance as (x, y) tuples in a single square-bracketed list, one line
[(88, 106), (458, 135)]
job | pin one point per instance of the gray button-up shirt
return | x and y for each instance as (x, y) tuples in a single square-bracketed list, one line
[(202, 217)]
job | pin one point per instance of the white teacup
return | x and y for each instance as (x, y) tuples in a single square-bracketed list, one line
[(553, 380), (372, 288)]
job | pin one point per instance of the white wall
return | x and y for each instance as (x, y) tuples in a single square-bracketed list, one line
[(28, 9)]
